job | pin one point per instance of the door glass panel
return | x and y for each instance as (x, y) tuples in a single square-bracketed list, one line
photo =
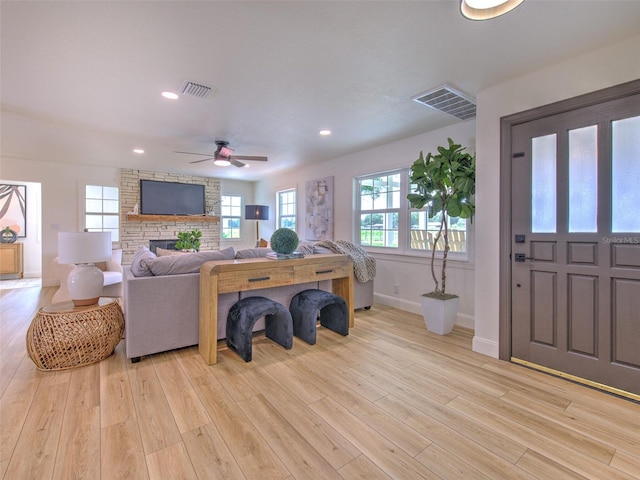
[(543, 184), (625, 158), (583, 179)]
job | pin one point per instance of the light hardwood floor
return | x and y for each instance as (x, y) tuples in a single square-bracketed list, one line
[(388, 401)]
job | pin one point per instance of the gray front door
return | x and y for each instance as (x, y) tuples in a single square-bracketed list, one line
[(575, 243)]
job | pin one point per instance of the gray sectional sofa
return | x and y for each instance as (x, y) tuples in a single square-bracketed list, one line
[(161, 304)]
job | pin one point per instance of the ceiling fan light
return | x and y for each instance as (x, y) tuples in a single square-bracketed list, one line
[(221, 162), (486, 9)]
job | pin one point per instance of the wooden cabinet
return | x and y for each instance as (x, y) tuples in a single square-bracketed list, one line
[(11, 260)]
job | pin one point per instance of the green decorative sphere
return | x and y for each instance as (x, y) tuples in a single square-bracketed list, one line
[(284, 240)]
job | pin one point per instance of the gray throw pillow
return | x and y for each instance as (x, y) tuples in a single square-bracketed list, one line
[(141, 261), (253, 252), (188, 262)]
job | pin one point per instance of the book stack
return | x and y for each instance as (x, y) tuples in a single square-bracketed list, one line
[(284, 256)]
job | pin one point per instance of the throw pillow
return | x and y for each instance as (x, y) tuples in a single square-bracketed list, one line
[(163, 252), (305, 247), (188, 262), (141, 261)]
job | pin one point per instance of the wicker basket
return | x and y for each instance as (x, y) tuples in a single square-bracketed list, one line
[(62, 337)]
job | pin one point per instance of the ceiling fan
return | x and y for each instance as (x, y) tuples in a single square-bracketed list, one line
[(224, 157)]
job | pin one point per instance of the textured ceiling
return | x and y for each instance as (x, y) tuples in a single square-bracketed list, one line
[(81, 81)]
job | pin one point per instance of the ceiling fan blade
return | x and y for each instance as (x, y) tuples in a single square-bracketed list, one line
[(249, 157), (237, 163), (194, 153), (203, 160)]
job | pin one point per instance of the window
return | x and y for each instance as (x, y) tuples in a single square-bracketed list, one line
[(231, 214), (102, 210), (424, 231), (379, 205), (286, 200), (386, 221)]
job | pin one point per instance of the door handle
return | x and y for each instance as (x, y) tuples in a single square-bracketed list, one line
[(521, 257)]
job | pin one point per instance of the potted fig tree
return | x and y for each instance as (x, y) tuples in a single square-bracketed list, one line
[(445, 183)]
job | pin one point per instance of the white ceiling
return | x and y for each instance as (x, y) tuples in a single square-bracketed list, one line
[(81, 81)]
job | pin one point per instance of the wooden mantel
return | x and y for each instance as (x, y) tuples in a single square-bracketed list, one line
[(173, 218)]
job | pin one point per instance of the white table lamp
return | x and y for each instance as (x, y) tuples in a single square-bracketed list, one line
[(84, 249)]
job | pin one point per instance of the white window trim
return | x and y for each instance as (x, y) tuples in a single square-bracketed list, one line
[(82, 211), (284, 190), (242, 226)]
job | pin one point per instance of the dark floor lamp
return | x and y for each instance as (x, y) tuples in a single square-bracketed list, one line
[(256, 212)]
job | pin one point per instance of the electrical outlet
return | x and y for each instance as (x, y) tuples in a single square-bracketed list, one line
[(396, 288)]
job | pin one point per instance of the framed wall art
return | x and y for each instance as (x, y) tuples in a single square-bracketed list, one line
[(13, 208), (319, 209)]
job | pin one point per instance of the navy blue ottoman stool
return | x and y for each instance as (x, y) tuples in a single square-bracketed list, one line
[(308, 305), (245, 313)]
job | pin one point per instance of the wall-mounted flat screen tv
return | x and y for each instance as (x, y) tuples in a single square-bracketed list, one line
[(171, 198)]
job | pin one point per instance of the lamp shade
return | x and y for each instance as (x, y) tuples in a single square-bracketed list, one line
[(256, 212), (84, 247)]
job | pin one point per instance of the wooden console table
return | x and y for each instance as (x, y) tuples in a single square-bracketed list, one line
[(251, 274)]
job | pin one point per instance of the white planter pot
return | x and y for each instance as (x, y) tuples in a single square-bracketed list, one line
[(439, 315)]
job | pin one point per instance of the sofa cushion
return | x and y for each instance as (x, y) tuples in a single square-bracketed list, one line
[(141, 261), (111, 278), (164, 252), (187, 263), (253, 252), (321, 249), (305, 247)]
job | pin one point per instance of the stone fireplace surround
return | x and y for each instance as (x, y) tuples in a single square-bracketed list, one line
[(136, 233)]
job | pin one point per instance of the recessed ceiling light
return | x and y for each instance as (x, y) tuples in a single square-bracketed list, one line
[(325, 132), (170, 95), (487, 9), (138, 151)]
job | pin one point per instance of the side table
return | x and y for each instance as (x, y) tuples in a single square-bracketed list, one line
[(63, 336)]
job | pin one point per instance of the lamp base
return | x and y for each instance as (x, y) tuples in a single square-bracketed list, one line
[(86, 303), (85, 284)]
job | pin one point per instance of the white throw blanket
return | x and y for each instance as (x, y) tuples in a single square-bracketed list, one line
[(364, 265)]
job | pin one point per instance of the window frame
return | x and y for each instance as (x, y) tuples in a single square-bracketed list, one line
[(116, 214), (404, 222), (279, 215), (378, 211), (225, 217)]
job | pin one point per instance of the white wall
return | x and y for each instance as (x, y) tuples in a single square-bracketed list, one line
[(61, 194), (410, 273), (596, 70), (62, 185), (32, 243)]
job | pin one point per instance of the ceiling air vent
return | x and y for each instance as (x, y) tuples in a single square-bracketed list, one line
[(448, 100), (195, 89)]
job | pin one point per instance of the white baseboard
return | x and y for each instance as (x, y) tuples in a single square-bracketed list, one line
[(399, 303), (486, 347), (462, 320), (32, 274)]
